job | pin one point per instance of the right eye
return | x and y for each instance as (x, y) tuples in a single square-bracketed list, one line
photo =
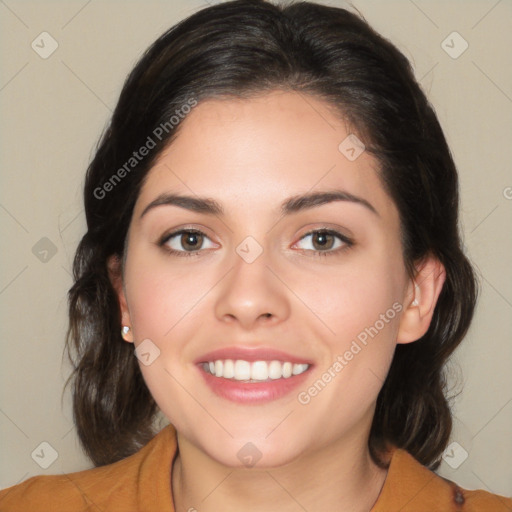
[(189, 239)]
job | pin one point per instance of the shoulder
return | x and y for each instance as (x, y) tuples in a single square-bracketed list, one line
[(47, 492), (411, 487), (137, 479)]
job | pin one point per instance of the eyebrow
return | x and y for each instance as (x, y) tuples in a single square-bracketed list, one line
[(291, 205)]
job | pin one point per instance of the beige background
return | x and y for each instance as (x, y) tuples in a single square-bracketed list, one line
[(53, 111)]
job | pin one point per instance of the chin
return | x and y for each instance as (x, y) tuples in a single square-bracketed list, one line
[(252, 453)]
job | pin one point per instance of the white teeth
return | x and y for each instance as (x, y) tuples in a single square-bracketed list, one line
[(229, 369), (275, 370), (287, 370), (242, 370), (299, 368), (257, 371)]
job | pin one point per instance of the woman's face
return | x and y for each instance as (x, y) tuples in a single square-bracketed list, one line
[(256, 280)]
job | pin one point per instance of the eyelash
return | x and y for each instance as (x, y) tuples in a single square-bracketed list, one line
[(347, 241)]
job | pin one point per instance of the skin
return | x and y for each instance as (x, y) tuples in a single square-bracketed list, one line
[(251, 155)]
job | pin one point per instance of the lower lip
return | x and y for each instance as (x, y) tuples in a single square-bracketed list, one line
[(255, 392)]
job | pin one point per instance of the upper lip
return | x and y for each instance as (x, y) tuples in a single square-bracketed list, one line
[(251, 354)]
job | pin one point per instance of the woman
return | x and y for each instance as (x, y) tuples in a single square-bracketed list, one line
[(273, 229)]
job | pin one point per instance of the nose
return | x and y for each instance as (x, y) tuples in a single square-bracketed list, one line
[(251, 294)]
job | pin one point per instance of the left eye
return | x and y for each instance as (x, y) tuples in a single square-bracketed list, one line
[(323, 240)]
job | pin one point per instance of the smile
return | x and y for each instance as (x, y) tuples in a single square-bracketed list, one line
[(255, 371)]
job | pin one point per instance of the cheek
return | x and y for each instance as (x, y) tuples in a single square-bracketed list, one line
[(162, 298), (360, 308), (362, 311), (165, 307), (351, 299)]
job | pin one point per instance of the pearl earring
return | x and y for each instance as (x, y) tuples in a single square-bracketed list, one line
[(125, 330), (415, 301)]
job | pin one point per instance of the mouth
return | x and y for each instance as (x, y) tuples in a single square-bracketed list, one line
[(252, 376), (257, 371)]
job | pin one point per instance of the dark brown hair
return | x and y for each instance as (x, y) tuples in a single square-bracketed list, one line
[(240, 49)]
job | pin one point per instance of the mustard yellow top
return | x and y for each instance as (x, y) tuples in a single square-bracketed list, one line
[(142, 483)]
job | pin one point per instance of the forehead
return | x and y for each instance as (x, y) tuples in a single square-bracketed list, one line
[(256, 152)]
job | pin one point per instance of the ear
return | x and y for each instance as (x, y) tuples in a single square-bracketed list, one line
[(422, 294), (115, 273)]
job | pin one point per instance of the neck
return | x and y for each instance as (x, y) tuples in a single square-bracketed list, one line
[(340, 476)]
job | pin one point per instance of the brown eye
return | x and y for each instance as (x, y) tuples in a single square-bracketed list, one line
[(323, 240), (185, 242), (191, 240), (326, 242)]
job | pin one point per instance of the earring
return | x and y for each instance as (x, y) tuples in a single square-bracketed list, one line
[(415, 301), (125, 330)]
